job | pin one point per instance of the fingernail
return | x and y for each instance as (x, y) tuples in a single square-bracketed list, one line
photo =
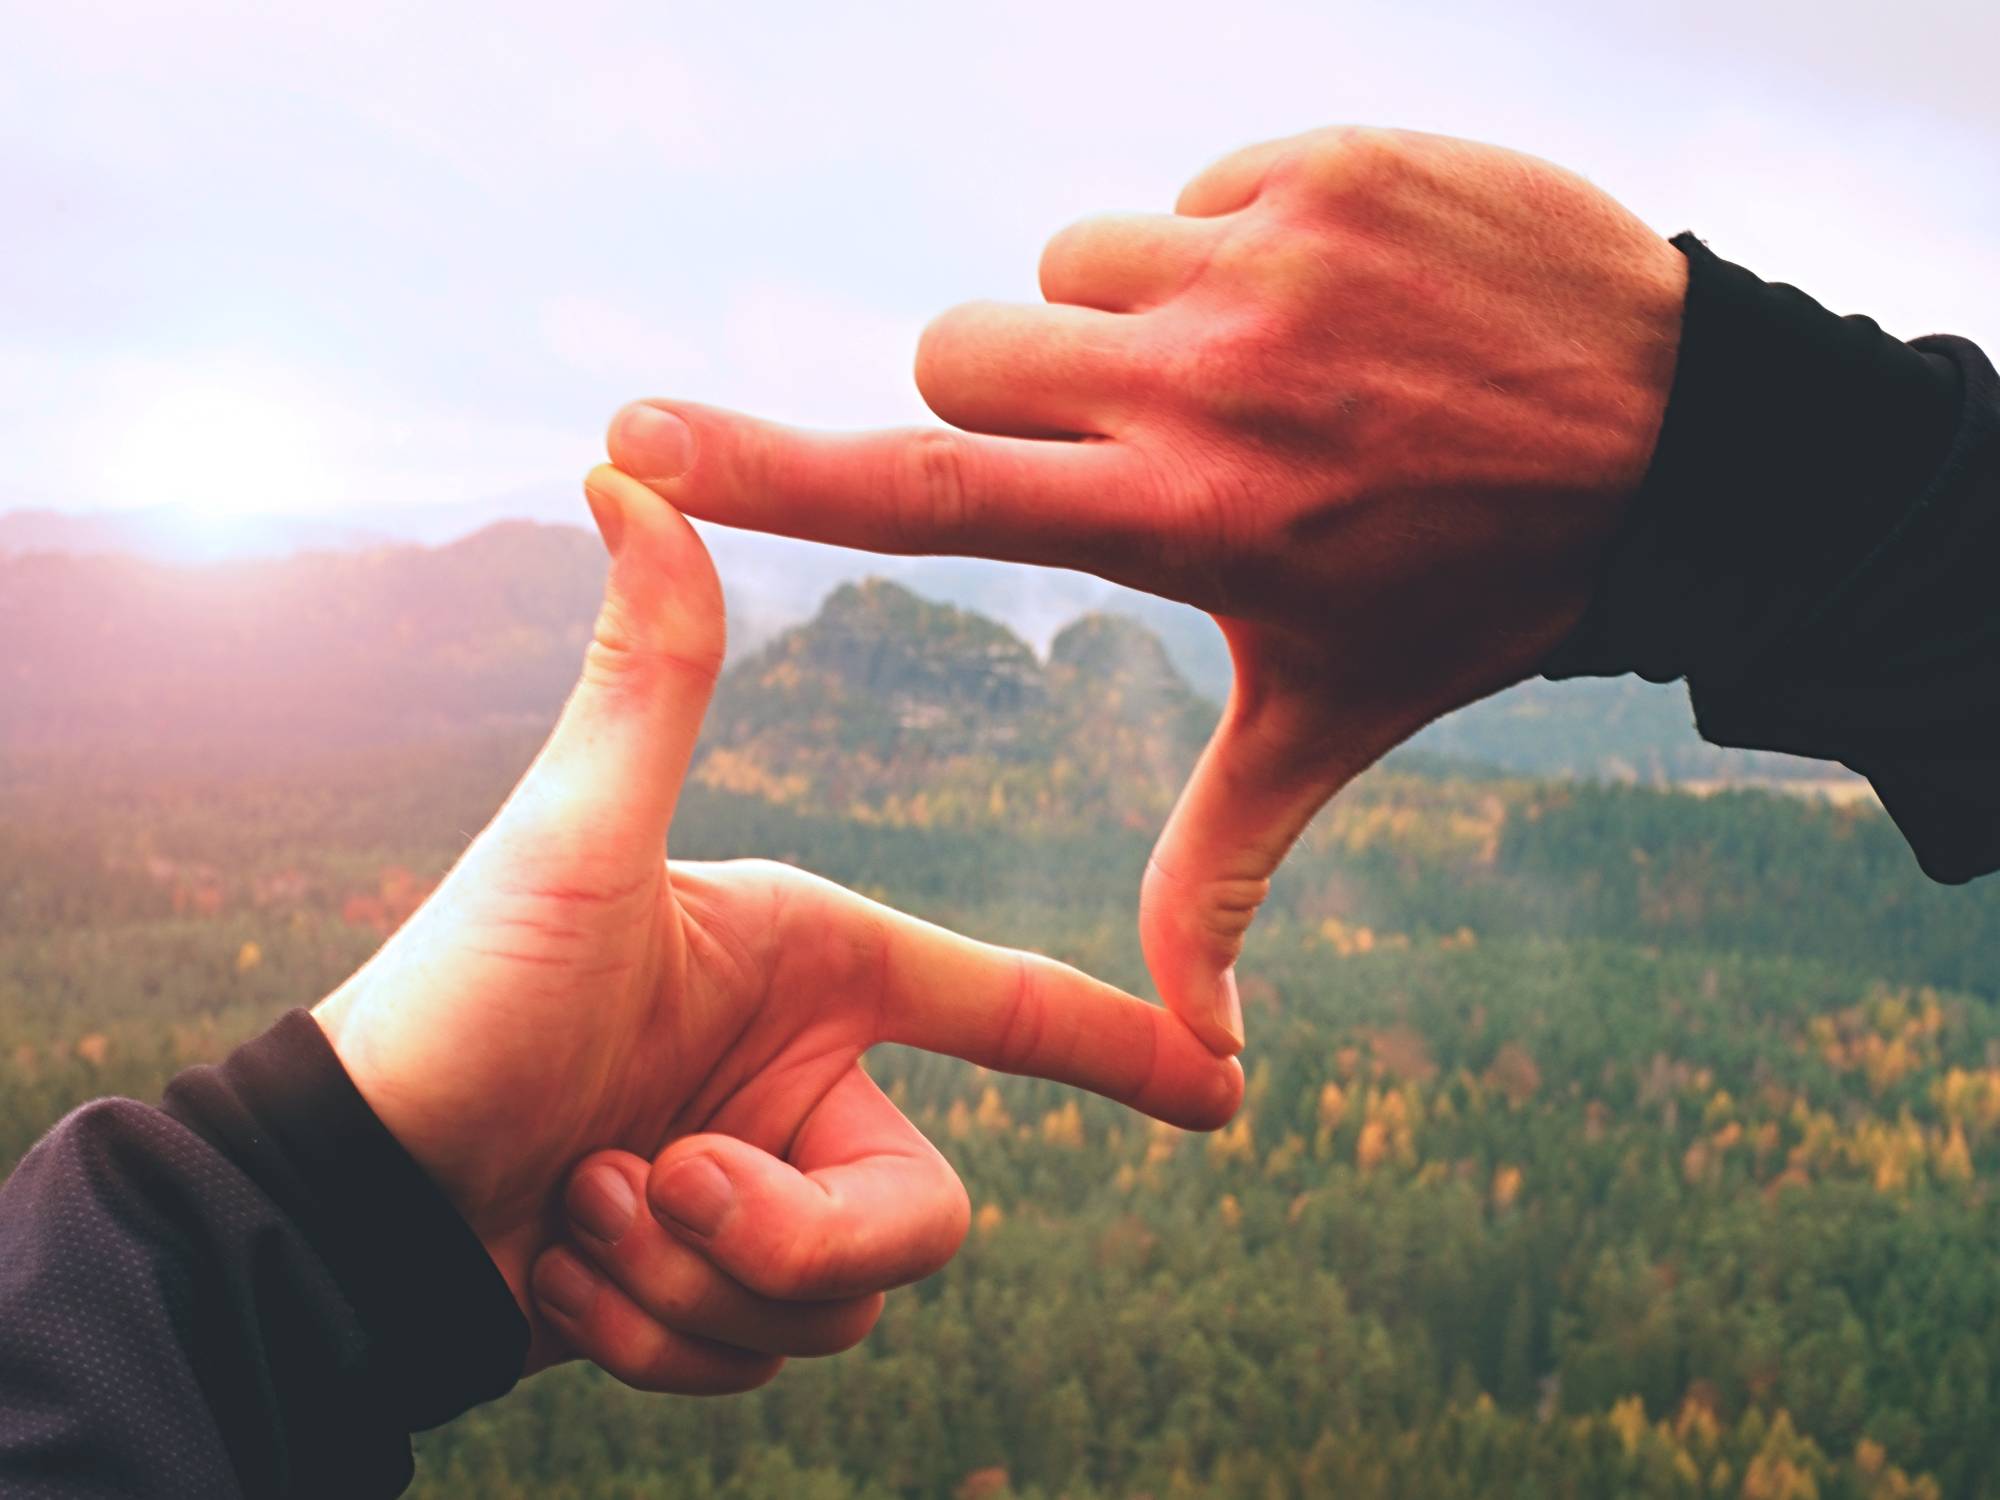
[(602, 1203), (652, 445), (1229, 1007), (563, 1283), (694, 1196), (609, 516)]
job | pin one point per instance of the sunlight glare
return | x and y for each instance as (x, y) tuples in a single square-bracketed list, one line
[(221, 451)]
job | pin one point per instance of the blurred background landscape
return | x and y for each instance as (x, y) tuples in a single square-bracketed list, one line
[(1624, 1113), (1603, 1136)]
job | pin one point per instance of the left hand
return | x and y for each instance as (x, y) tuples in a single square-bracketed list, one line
[(567, 991)]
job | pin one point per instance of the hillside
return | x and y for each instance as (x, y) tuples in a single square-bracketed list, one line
[(107, 643), (252, 661), (1596, 1137), (889, 708)]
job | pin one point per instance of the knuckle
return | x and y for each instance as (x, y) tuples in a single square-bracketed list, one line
[(1021, 1019), (935, 505), (796, 1267), (1356, 163), (948, 343), (1074, 245), (621, 656), (679, 1292), (1228, 907)]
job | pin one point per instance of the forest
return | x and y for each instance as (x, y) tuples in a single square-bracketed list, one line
[(1600, 1140)]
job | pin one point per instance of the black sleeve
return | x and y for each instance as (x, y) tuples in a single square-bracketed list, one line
[(1814, 549), (251, 1291)]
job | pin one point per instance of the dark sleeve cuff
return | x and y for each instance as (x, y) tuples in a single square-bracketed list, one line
[(1812, 548), (1793, 442), (443, 1329)]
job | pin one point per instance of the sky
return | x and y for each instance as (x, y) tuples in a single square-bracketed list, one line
[(298, 258)]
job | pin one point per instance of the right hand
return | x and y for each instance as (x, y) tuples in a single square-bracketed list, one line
[(1374, 400)]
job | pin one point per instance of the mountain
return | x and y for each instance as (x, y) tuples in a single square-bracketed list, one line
[(249, 661), (887, 707), (354, 644)]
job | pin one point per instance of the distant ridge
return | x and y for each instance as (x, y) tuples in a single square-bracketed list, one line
[(122, 629)]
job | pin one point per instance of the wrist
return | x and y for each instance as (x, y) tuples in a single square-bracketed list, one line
[(1792, 438), (444, 1331)]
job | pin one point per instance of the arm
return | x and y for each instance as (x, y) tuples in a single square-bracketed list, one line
[(248, 1291), (375, 1216), (1380, 403), (1813, 549)]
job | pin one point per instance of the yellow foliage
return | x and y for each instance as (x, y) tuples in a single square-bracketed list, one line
[(1345, 939), (1628, 1420), (1332, 1105), (992, 1112), (93, 1048), (1372, 1145), (1506, 1187), (1233, 1142), (734, 771), (1064, 1126), (1695, 1424), (1285, 1155), (958, 1120), (248, 957), (1972, 1098), (989, 1218), (1954, 1161), (1232, 1211)]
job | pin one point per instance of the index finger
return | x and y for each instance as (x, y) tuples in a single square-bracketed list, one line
[(1023, 1013), (904, 490)]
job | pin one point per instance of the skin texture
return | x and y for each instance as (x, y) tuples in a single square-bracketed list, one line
[(1372, 399), (639, 1080)]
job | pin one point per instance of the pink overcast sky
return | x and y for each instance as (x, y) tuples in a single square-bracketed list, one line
[(270, 258)]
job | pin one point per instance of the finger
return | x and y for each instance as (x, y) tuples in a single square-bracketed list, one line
[(911, 490), (683, 1290), (1024, 371), (612, 769), (1124, 263), (1233, 182), (1258, 782), (1023, 1013), (601, 1322), (866, 1204)]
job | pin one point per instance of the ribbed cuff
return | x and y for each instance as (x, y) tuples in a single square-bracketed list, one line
[(443, 1329)]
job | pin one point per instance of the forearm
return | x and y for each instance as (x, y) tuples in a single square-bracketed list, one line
[(1813, 548), (249, 1291)]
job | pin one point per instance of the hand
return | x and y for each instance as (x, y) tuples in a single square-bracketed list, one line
[(567, 991), (1371, 399)]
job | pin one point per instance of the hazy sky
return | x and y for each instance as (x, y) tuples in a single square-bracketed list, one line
[(290, 257)]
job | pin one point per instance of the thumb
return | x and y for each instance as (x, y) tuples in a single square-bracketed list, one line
[(629, 728), (1266, 770)]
